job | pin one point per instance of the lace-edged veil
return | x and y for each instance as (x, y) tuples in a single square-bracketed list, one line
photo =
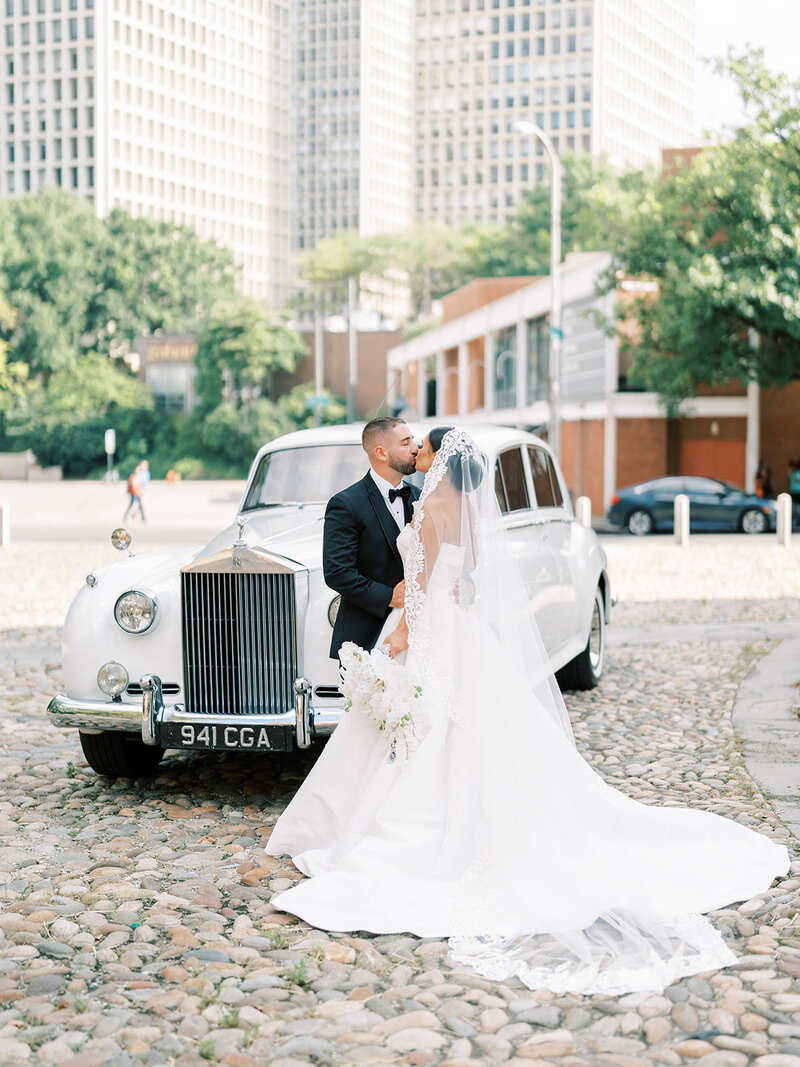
[(457, 528)]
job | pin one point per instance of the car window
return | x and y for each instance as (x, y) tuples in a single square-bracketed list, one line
[(304, 475), (545, 481), (666, 486), (514, 479), (499, 491), (703, 485)]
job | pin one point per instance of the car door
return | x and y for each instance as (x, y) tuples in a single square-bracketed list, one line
[(661, 500), (707, 506), (554, 520), (529, 536)]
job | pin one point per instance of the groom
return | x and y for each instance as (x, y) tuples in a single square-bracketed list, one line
[(359, 555)]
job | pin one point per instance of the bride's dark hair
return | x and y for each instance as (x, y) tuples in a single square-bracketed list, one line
[(455, 471), (436, 435)]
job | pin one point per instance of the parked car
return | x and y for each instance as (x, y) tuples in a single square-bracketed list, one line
[(649, 507), (225, 647)]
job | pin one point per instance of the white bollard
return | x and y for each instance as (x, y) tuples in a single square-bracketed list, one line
[(682, 519), (583, 511), (784, 504), (5, 524)]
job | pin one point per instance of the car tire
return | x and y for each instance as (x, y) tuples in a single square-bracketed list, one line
[(640, 523), (753, 521), (586, 670), (120, 755)]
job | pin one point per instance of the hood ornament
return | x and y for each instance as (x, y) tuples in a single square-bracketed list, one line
[(236, 556)]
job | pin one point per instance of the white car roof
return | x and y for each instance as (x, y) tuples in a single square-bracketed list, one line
[(489, 437)]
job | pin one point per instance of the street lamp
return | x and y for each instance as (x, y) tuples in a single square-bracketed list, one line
[(556, 331)]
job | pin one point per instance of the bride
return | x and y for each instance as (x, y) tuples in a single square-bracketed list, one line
[(495, 833)]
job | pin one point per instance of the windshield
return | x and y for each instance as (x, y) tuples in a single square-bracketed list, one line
[(305, 475)]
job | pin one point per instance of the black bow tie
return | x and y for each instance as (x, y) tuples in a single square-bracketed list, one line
[(404, 491)]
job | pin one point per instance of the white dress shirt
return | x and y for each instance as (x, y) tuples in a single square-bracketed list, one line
[(396, 506)]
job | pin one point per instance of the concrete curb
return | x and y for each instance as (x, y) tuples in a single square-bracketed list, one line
[(766, 712), (766, 715)]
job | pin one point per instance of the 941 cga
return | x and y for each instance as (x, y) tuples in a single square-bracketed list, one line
[(225, 647)]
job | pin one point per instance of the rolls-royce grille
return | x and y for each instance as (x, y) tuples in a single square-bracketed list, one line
[(239, 642)]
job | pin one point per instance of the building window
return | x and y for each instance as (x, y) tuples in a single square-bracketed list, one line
[(538, 359)]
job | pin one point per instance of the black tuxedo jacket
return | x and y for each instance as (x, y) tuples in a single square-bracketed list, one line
[(360, 561)]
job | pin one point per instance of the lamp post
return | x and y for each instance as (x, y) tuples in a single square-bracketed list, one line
[(556, 331)]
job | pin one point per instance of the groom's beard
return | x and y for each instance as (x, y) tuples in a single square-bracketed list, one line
[(403, 466)]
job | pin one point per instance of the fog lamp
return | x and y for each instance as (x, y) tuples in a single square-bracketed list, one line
[(112, 678)]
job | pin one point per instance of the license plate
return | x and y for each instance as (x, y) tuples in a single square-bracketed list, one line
[(226, 737)]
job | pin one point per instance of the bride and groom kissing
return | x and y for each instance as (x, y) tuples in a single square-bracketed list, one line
[(494, 832)]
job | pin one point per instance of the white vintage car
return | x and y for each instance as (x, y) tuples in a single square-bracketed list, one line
[(226, 647)]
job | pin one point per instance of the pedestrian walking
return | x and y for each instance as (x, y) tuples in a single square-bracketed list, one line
[(135, 486), (794, 479), (763, 481)]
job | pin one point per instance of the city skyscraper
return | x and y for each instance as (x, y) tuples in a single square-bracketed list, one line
[(612, 78), (353, 109), (169, 110)]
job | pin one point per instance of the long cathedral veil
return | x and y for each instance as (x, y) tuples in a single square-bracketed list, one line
[(563, 881), (457, 526)]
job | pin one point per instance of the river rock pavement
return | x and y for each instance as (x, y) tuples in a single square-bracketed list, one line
[(136, 928)]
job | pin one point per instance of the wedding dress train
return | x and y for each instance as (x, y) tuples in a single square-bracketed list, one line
[(496, 833)]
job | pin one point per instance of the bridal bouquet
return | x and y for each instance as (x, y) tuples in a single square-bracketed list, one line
[(379, 687)]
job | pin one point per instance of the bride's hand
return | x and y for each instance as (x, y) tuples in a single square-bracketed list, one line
[(397, 641)]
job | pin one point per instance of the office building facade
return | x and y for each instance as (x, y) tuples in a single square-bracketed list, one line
[(612, 78), (168, 110)]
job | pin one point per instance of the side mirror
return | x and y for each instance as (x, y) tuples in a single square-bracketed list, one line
[(121, 540)]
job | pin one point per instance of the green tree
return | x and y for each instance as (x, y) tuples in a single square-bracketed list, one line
[(13, 376), (49, 274), (63, 423), (721, 239), (155, 276), (590, 221), (239, 351)]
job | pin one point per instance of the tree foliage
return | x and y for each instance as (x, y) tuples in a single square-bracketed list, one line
[(721, 238), (64, 423), (239, 351), (80, 283)]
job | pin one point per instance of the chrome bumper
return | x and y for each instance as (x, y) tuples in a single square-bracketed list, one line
[(92, 716)]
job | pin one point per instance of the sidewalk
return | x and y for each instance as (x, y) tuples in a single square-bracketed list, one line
[(87, 511)]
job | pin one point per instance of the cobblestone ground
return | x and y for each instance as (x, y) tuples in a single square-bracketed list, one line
[(135, 924)]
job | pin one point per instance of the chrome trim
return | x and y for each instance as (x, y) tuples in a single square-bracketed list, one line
[(152, 707), (240, 647), (303, 712), (95, 716)]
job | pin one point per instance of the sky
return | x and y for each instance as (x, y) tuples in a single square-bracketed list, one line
[(773, 25)]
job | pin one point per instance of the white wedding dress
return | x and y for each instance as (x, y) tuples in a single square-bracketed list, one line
[(496, 833)]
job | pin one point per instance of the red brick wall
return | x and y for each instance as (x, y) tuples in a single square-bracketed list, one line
[(641, 450), (582, 452), (780, 431)]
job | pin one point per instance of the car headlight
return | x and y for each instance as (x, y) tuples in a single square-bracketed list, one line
[(333, 609), (135, 611), (112, 678)]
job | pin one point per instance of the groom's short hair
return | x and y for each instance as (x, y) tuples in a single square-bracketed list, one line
[(377, 430)]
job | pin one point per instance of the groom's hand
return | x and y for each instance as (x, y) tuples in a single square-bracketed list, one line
[(398, 596)]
